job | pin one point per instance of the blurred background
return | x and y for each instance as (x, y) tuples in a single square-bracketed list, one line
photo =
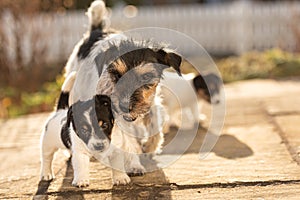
[(247, 39)]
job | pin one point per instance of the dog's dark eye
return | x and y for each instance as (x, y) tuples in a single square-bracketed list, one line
[(84, 129), (147, 77), (104, 125), (117, 76)]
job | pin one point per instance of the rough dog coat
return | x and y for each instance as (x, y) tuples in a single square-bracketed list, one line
[(131, 80), (183, 96)]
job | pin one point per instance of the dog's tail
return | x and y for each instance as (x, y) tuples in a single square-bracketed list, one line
[(97, 14), (63, 101)]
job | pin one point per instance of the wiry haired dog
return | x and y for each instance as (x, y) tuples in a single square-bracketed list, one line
[(61, 132), (129, 72)]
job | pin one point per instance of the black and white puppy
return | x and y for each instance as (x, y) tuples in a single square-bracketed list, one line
[(61, 133), (182, 97)]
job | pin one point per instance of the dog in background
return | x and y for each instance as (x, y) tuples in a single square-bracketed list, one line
[(182, 97)]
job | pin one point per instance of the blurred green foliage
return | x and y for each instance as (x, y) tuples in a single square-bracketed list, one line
[(15, 102), (273, 63)]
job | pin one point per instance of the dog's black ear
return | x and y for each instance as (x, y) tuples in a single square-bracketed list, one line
[(199, 83), (97, 99), (169, 58)]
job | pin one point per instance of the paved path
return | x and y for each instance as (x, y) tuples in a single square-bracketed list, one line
[(256, 157)]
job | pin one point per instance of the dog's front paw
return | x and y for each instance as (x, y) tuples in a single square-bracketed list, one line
[(81, 183), (136, 170), (121, 179)]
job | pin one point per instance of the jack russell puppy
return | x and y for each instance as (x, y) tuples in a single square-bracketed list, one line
[(86, 134), (182, 97)]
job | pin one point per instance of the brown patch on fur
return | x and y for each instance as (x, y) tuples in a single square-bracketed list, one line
[(202, 94), (120, 67)]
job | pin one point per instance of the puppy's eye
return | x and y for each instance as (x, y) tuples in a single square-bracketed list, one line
[(84, 129), (147, 77), (105, 103), (117, 76), (104, 125)]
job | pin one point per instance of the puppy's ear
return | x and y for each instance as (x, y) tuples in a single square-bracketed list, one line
[(97, 99), (199, 83), (169, 58)]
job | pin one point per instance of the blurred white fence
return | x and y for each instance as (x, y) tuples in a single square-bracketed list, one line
[(230, 28)]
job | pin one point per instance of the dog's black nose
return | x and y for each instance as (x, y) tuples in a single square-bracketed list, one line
[(124, 107), (99, 146)]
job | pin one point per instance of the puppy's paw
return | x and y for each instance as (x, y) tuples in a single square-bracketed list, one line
[(47, 177), (136, 170), (81, 183), (121, 179)]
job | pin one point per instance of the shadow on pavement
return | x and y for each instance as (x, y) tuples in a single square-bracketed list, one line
[(68, 177), (152, 185), (41, 192), (227, 146)]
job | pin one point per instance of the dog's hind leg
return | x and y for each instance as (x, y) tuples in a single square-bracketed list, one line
[(46, 161), (48, 148)]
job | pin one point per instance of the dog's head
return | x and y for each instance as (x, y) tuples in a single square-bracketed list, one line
[(136, 75), (208, 87), (92, 121)]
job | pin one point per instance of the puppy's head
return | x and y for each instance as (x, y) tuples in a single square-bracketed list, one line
[(104, 114), (136, 75), (208, 87), (93, 128)]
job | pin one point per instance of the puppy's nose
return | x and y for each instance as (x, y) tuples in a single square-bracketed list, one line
[(99, 146)]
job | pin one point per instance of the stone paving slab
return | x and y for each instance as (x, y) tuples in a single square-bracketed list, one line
[(288, 191), (256, 154), (284, 105), (290, 130), (250, 160)]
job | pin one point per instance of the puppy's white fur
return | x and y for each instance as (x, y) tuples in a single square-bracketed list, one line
[(97, 13), (51, 142), (180, 101)]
